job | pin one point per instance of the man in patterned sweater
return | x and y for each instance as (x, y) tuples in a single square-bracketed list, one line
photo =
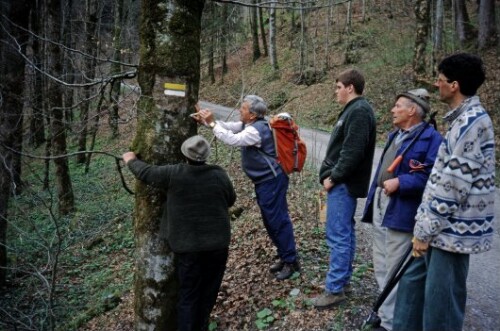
[(455, 217)]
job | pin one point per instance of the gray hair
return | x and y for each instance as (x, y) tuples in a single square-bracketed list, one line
[(257, 105), (420, 110)]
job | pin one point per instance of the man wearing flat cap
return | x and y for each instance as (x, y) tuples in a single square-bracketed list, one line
[(195, 223), (394, 196)]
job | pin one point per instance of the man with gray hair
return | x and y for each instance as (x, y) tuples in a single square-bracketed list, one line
[(396, 190), (258, 156)]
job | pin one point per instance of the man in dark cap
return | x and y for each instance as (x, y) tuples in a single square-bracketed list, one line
[(258, 156), (455, 218), (395, 194), (195, 224)]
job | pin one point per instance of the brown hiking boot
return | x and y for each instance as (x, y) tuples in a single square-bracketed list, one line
[(347, 288), (327, 300), (288, 270), (277, 266)]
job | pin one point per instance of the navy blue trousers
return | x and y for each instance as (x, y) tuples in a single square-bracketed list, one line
[(271, 198), (200, 275)]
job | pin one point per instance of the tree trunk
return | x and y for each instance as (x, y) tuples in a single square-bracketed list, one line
[(58, 128), (462, 22), (211, 63), (437, 38), (302, 43), (68, 70), (11, 109), (327, 35), (348, 23), (422, 31), (438, 29), (487, 24), (255, 32), (37, 122), (89, 65), (263, 32), (272, 37), (224, 39), (170, 53), (114, 94)]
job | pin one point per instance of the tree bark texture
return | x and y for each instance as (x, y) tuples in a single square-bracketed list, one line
[(170, 53), (224, 39), (11, 110), (488, 34), (38, 118), (272, 37), (422, 8), (262, 31), (254, 26), (463, 27), (114, 94), (89, 64), (63, 180)]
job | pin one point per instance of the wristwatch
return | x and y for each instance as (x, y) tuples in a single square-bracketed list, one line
[(212, 125)]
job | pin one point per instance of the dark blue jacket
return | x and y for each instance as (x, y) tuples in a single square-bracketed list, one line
[(402, 207), (259, 163)]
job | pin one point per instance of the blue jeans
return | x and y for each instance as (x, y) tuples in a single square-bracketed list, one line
[(340, 237), (271, 198), (432, 293)]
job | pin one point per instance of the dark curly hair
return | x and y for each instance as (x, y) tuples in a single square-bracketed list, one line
[(466, 69)]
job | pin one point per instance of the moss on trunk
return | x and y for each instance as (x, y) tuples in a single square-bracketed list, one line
[(170, 52)]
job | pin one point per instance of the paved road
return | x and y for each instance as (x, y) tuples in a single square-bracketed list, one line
[(483, 283)]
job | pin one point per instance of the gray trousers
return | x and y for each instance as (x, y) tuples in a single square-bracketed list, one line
[(389, 247)]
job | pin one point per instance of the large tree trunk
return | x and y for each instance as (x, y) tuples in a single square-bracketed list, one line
[(170, 53), (11, 109), (487, 25), (58, 127), (422, 32), (272, 37)]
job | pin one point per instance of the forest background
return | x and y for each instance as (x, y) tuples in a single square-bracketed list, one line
[(71, 244)]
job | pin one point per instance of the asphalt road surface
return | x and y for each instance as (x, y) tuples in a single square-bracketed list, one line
[(483, 283)]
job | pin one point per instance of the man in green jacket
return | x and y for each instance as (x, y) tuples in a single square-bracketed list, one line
[(195, 224), (345, 175)]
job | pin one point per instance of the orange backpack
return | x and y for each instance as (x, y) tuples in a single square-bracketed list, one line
[(291, 151)]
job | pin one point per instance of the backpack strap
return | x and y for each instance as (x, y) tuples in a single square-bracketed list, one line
[(267, 157)]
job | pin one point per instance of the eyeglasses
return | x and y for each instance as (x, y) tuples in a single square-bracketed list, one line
[(440, 80)]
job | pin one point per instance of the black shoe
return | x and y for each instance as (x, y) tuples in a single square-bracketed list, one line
[(288, 270), (277, 266)]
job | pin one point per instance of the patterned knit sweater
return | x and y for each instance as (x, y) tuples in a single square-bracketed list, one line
[(456, 213)]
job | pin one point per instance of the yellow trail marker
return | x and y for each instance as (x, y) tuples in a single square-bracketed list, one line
[(174, 89)]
